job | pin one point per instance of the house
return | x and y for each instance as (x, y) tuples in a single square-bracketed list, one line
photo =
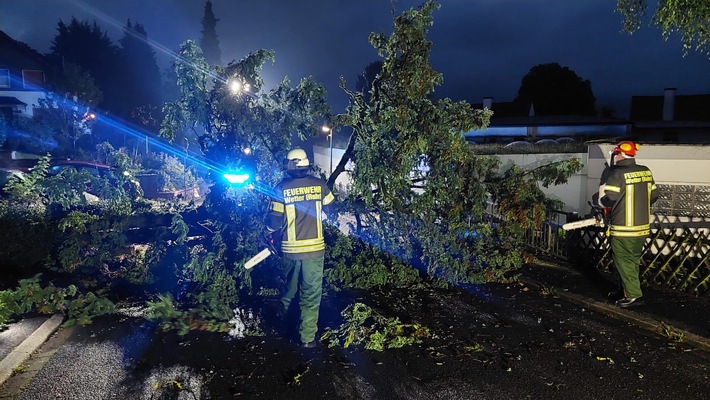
[(667, 118), (22, 78), (670, 129), (671, 118), (513, 121)]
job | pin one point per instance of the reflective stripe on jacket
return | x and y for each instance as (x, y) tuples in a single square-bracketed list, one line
[(629, 190), (297, 210)]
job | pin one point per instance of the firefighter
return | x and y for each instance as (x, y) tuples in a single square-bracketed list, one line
[(295, 221), (628, 190)]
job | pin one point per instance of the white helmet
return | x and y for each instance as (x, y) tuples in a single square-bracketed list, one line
[(296, 159)]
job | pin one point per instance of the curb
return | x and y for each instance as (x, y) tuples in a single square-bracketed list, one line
[(22, 352), (648, 324)]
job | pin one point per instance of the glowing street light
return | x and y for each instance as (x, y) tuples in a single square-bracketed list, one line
[(329, 131), (88, 117), (236, 86)]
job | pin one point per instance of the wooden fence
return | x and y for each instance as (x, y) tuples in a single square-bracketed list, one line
[(676, 256)]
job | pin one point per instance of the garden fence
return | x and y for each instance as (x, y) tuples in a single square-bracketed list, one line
[(676, 255)]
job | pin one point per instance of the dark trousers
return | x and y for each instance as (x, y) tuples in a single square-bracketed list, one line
[(626, 253), (304, 277)]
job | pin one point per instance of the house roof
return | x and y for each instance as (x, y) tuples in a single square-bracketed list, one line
[(11, 101), (17, 55), (686, 108), (516, 119), (519, 114), (555, 120)]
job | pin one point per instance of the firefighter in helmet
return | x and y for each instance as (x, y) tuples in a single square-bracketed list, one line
[(628, 190), (295, 219)]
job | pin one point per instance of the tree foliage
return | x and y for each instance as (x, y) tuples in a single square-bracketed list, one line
[(556, 90), (73, 81), (127, 76), (415, 176), (688, 18), (226, 122), (70, 120), (367, 78), (420, 192), (418, 187), (30, 296)]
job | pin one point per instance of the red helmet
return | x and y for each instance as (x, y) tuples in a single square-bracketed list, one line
[(627, 148)]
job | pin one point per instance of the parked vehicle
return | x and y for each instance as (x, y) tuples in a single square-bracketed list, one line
[(97, 170), (17, 161)]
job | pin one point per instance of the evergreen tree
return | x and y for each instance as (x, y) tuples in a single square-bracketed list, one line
[(87, 46), (209, 41), (141, 77)]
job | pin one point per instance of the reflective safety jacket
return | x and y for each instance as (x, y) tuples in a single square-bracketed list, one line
[(296, 210), (628, 190)]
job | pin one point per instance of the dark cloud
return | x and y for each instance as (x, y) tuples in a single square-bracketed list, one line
[(482, 47)]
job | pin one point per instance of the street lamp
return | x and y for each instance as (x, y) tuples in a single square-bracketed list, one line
[(329, 131), (236, 86)]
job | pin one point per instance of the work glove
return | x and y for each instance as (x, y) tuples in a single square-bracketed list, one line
[(273, 241)]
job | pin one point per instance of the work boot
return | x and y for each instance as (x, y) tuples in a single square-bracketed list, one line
[(627, 302)]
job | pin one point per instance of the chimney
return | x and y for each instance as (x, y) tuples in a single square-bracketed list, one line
[(488, 102), (668, 104)]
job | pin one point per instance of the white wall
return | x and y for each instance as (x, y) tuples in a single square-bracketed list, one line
[(670, 164), (29, 97), (321, 158), (572, 193)]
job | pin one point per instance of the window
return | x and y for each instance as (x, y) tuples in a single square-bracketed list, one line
[(4, 78), (33, 79)]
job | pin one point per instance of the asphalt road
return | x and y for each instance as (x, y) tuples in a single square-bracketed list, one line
[(489, 342)]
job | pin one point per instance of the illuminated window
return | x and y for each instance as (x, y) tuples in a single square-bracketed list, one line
[(4, 78), (32, 79)]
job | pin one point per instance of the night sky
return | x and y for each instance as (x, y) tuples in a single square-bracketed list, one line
[(483, 47)]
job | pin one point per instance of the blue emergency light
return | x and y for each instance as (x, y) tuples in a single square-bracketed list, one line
[(236, 178)]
